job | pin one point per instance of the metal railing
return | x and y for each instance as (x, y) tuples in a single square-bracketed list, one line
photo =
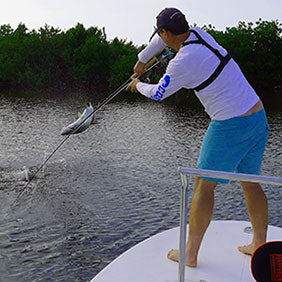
[(184, 200)]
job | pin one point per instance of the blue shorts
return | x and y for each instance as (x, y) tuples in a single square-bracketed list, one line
[(234, 145)]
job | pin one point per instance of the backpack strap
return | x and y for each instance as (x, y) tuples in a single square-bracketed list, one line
[(223, 60)]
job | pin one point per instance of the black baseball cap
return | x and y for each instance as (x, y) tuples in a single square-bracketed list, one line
[(173, 20)]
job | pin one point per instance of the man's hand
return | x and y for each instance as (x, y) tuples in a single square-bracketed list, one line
[(139, 68), (132, 85)]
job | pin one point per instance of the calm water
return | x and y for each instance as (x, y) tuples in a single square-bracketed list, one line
[(106, 189)]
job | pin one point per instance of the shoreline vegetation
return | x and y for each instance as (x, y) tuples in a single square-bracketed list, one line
[(81, 59)]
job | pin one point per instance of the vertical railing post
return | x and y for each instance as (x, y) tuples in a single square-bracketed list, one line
[(183, 226)]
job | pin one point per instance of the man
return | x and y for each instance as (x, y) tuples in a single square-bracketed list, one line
[(236, 137)]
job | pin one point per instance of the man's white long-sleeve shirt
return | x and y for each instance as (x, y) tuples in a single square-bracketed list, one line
[(229, 95)]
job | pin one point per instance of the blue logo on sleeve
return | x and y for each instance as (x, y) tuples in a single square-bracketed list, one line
[(167, 81), (161, 89)]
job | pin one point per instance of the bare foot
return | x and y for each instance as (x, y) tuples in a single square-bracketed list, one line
[(247, 250), (174, 256)]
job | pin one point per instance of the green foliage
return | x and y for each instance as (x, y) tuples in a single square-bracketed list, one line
[(124, 56), (88, 55), (27, 59), (80, 57)]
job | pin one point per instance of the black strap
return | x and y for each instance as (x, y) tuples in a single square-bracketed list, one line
[(223, 60)]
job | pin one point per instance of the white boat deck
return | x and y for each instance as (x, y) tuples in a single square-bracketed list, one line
[(219, 259)]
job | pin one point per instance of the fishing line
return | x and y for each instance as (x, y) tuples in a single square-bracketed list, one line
[(103, 103)]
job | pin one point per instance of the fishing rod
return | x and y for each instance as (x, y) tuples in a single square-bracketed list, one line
[(150, 65)]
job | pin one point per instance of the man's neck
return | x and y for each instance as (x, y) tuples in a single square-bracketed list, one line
[(179, 39)]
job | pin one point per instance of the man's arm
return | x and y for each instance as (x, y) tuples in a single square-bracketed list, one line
[(155, 47), (173, 80)]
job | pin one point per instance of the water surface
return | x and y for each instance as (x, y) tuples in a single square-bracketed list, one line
[(106, 189)]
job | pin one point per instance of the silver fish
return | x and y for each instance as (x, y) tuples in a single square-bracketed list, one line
[(83, 122)]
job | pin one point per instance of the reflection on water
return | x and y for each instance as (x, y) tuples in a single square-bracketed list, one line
[(104, 190)]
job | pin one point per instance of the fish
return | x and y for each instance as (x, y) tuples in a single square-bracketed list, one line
[(81, 124)]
